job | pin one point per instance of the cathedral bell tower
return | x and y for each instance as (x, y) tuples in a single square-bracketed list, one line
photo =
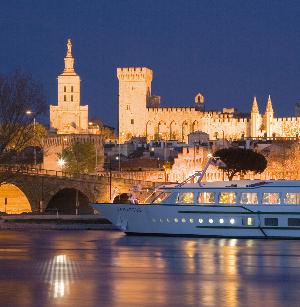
[(68, 116), (69, 82)]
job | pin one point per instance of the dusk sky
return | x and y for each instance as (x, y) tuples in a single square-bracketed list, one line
[(228, 50)]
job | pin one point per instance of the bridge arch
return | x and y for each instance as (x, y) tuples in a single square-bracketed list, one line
[(64, 202), (13, 200)]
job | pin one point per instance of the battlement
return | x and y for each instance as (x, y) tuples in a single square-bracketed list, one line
[(69, 139), (134, 74)]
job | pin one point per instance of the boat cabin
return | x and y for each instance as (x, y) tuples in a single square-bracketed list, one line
[(230, 193)]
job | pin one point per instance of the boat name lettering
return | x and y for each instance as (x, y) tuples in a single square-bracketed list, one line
[(135, 210)]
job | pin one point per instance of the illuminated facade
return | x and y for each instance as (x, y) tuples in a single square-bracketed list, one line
[(141, 115), (69, 117)]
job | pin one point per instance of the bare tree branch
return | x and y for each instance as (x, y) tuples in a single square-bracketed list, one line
[(18, 93)]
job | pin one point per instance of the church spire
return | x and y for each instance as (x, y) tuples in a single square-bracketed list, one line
[(69, 60), (254, 106), (269, 107)]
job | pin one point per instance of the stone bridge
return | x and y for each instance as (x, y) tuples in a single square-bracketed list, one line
[(44, 189)]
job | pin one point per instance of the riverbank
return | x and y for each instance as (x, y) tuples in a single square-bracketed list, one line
[(54, 222)]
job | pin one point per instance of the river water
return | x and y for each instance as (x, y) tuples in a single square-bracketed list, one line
[(107, 268)]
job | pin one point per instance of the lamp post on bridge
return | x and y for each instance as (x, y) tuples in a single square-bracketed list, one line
[(30, 113), (76, 203)]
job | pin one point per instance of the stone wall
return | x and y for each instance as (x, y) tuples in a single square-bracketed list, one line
[(54, 145)]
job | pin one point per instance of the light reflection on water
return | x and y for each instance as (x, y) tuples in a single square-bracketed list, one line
[(95, 268), (58, 272)]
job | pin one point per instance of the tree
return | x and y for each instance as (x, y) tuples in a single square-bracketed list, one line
[(80, 158), (19, 93), (240, 161)]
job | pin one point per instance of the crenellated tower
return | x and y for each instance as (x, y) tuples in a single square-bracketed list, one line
[(255, 121), (268, 117), (134, 95)]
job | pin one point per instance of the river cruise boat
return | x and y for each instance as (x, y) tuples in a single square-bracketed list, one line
[(239, 209)]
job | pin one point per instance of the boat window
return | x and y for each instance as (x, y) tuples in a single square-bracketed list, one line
[(292, 198), (206, 198), (248, 221), (152, 197), (227, 198), (185, 198), (271, 221), (161, 197), (271, 198), (249, 198), (293, 221)]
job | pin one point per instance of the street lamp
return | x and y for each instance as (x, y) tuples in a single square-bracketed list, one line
[(30, 113), (118, 159), (121, 134), (61, 162)]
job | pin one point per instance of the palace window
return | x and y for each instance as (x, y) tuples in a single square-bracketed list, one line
[(292, 198), (132, 121), (65, 98), (185, 198), (271, 198), (65, 88), (71, 97), (206, 198), (227, 198), (249, 198), (72, 89)]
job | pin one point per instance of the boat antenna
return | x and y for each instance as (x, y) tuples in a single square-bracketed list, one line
[(211, 161), (200, 174)]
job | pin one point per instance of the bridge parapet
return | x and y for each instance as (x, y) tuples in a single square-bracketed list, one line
[(40, 185)]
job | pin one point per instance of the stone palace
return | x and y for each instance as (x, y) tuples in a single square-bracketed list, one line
[(140, 115)]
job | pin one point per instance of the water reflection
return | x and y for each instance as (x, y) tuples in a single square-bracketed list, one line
[(59, 272), (107, 268)]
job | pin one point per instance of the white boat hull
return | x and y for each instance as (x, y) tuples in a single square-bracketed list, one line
[(212, 221)]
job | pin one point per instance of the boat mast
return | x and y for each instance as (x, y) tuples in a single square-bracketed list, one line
[(208, 163), (200, 174)]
